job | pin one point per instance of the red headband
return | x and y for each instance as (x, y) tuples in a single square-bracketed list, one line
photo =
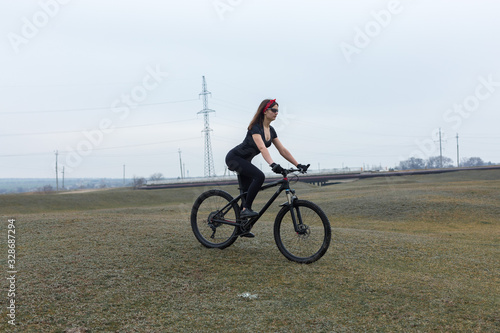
[(271, 102)]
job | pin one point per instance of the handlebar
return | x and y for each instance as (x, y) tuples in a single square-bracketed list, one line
[(288, 171)]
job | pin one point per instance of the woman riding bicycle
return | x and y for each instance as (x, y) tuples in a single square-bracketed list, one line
[(259, 137)]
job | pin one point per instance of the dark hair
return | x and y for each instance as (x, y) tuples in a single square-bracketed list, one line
[(258, 118)]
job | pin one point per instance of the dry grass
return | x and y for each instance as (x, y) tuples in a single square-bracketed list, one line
[(414, 254)]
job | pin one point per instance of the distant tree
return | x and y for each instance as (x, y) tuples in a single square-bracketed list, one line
[(156, 176), (412, 163), (138, 181), (471, 162), (46, 189), (434, 162)]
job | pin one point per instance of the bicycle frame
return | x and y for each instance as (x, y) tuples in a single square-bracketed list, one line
[(248, 224)]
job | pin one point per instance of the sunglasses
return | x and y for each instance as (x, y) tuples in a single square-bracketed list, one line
[(273, 110)]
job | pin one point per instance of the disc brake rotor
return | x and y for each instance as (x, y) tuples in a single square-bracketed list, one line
[(304, 231)]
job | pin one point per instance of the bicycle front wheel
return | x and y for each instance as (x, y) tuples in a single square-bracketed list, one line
[(312, 239), (209, 212)]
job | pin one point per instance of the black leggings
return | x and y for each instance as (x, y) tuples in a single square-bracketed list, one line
[(250, 176)]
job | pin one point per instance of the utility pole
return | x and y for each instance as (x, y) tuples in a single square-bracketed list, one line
[(209, 161), (180, 163), (440, 151), (57, 176), (441, 148), (63, 177), (458, 154)]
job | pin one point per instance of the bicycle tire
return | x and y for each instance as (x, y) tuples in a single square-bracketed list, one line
[(310, 244), (206, 206)]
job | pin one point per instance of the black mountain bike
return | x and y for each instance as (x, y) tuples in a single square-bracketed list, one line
[(301, 229)]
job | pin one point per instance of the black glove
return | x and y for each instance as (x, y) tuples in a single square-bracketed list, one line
[(303, 168), (277, 168)]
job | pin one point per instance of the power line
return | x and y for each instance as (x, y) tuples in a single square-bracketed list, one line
[(105, 148), (141, 145), (232, 105), (114, 128), (21, 155), (94, 108), (472, 136)]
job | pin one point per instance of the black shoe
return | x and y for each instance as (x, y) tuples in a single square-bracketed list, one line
[(248, 213), (247, 234)]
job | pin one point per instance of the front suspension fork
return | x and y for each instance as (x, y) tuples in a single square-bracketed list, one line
[(296, 219)]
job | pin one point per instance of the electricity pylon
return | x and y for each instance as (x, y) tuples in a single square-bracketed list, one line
[(209, 160)]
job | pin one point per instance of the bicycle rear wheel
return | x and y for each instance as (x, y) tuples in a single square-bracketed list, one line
[(312, 240), (207, 209)]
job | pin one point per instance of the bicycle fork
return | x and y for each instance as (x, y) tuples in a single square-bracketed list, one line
[(296, 218)]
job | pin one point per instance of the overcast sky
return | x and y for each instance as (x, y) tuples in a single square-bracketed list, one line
[(359, 83)]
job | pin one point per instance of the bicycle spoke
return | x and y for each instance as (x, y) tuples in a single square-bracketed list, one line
[(206, 216), (311, 239)]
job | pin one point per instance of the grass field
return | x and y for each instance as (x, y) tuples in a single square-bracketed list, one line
[(408, 254)]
